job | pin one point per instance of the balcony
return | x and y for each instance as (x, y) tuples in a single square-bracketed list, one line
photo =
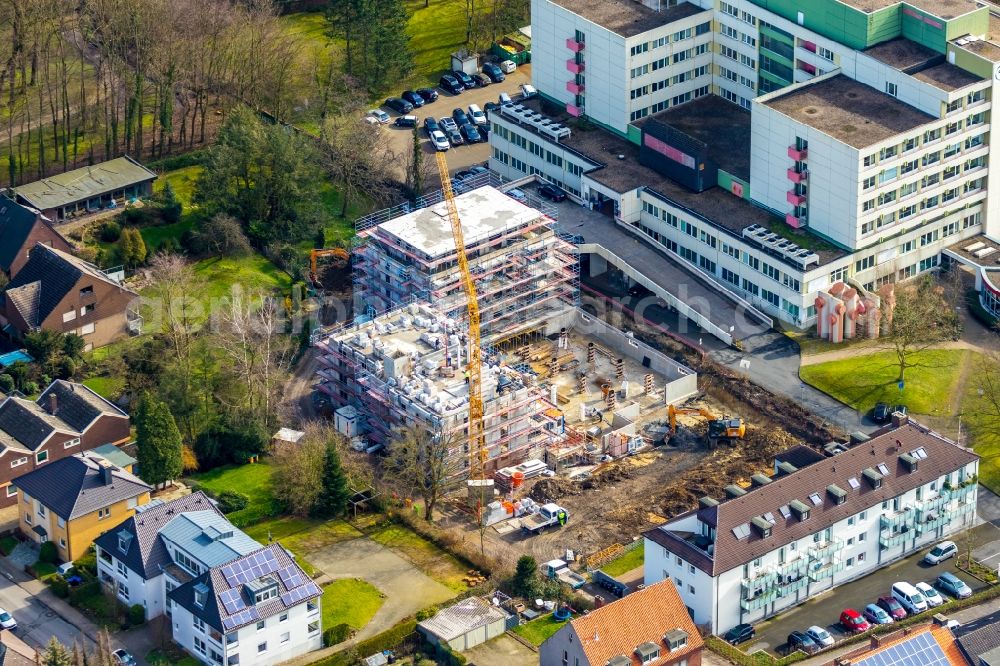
[(760, 582), (574, 45), (575, 88), (574, 66), (823, 550), (933, 503), (758, 601), (898, 519), (573, 110), (792, 586), (794, 221), (794, 198), (892, 540), (825, 571), (796, 154), (962, 492), (797, 176)]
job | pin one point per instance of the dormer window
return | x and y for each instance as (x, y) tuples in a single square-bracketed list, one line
[(124, 539), (676, 639), (762, 526), (873, 477), (200, 595), (263, 589), (648, 652), (837, 494)]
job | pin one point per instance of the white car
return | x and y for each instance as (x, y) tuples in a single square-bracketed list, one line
[(476, 114), (820, 635), (123, 658), (508, 66), (941, 552), (380, 116), (518, 195), (931, 596), (440, 141), (504, 98), (7, 620), (528, 91)]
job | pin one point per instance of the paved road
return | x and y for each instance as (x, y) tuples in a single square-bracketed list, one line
[(37, 623)]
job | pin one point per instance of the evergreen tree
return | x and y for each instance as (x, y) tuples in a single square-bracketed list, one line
[(158, 442), (525, 580), (133, 247), (55, 654), (417, 177), (172, 207), (333, 499)]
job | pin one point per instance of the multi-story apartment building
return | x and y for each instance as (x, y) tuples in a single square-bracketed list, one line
[(817, 523), (829, 140)]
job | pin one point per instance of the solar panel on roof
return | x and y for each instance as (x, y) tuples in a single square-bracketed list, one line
[(883, 470), (921, 650), (254, 566), (854, 483), (299, 593), (291, 577), (240, 618), (232, 600)]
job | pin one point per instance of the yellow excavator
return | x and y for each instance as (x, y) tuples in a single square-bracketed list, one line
[(340, 256), (718, 428)]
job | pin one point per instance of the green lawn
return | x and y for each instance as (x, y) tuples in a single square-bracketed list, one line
[(154, 236), (303, 534), (982, 435), (106, 387), (253, 480), (862, 381), (350, 601), (253, 272), (182, 180), (437, 563), (633, 559), (538, 630)]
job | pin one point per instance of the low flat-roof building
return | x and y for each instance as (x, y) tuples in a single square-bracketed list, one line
[(87, 189), (463, 626)]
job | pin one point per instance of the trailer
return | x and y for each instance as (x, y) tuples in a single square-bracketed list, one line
[(559, 570)]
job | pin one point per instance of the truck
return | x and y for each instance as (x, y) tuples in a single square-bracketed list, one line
[(559, 570), (548, 514)]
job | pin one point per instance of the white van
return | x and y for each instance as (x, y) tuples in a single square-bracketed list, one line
[(909, 598)]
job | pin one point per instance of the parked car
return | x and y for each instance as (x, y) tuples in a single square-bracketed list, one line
[(481, 80), (739, 634), (414, 98), (518, 195), (464, 79), (64, 569), (852, 621), (7, 620), (820, 635), (876, 614), (448, 124), (881, 412), (490, 107), (493, 71), (639, 291), (123, 658), (476, 115), (552, 192), (399, 105), (439, 141), (460, 116), (941, 552), (406, 121), (892, 607), (951, 584), (478, 169), (931, 596), (909, 598), (379, 115), (799, 640), (461, 175), (470, 132), (504, 98), (454, 136), (507, 66), (431, 125), (427, 94), (451, 84), (528, 91)]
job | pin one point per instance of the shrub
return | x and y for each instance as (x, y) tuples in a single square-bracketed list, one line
[(87, 563), (232, 500), (59, 586), (336, 634), (425, 613), (6, 383), (47, 553), (7, 545), (110, 231), (85, 591), (29, 387), (136, 615)]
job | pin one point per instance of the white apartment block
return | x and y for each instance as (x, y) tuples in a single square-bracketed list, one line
[(817, 523)]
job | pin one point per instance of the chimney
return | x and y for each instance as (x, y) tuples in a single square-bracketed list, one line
[(106, 477), (899, 420), (53, 403)]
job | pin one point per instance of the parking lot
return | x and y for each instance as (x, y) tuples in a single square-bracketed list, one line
[(824, 610), (459, 157)]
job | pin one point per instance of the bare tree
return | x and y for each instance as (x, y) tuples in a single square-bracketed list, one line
[(298, 470), (425, 464), (918, 320)]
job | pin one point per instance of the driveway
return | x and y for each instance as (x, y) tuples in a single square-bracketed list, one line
[(825, 609), (407, 589), (502, 651)]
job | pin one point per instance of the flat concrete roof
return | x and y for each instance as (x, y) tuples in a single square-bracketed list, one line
[(718, 123), (987, 248), (902, 53), (484, 212), (984, 48), (947, 77), (850, 112), (946, 9), (628, 17)]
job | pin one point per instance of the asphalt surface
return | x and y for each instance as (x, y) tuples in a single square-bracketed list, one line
[(37, 623)]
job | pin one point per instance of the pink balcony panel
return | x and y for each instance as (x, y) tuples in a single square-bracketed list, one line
[(808, 46), (574, 111), (574, 45), (793, 221), (795, 199), (797, 176), (574, 66), (575, 88), (797, 154), (806, 67)]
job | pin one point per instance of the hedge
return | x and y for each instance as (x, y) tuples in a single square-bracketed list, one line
[(758, 658), (387, 640), (338, 633)]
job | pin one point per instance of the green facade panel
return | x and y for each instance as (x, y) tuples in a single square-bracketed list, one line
[(635, 135), (976, 22), (726, 181), (829, 18), (971, 62), (883, 25)]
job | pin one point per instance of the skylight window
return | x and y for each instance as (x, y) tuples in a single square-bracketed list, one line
[(815, 499), (769, 517), (920, 453), (883, 469), (854, 483), (785, 511), (741, 531)]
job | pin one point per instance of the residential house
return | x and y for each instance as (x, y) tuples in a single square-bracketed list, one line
[(649, 626), (87, 189), (21, 228), (67, 418), (980, 640), (15, 652), (164, 545), (927, 645), (73, 500), (55, 290), (258, 609), (764, 549), (466, 624)]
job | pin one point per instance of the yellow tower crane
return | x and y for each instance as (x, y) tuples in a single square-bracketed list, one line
[(477, 435)]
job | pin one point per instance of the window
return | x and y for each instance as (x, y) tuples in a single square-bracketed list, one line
[(11, 491), (825, 53), (861, 537), (285, 637), (640, 48), (62, 543), (266, 594), (691, 589), (260, 627), (870, 160), (69, 316), (87, 291), (313, 627), (977, 96), (103, 513), (199, 624), (199, 645), (19, 461), (283, 617), (891, 88), (41, 457), (124, 571), (850, 562), (87, 329), (69, 444), (123, 590), (868, 183), (261, 647), (87, 309), (861, 556), (909, 144)]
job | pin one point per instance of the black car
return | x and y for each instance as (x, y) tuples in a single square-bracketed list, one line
[(881, 413), (638, 291), (551, 192), (490, 107), (463, 78), (416, 99), (406, 121), (399, 105), (460, 116), (461, 175), (429, 94), (493, 71), (430, 125), (739, 634), (454, 137), (470, 133), (451, 84), (481, 80), (798, 640)]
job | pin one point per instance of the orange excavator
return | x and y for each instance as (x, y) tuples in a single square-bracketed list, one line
[(341, 259), (718, 428)]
